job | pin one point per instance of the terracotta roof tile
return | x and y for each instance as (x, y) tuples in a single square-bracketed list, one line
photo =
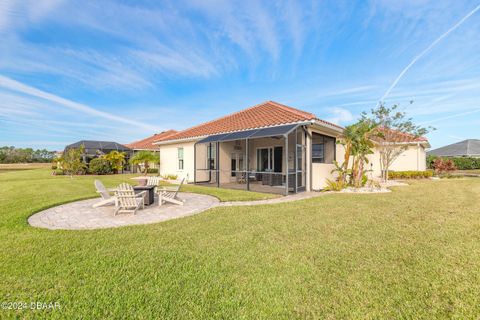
[(262, 115), (147, 143)]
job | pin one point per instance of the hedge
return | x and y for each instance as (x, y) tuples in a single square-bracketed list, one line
[(462, 163), (409, 174), (152, 170)]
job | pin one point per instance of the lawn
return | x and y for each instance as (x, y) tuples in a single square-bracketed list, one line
[(412, 253)]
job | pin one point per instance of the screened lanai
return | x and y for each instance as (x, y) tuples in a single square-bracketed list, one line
[(271, 159)]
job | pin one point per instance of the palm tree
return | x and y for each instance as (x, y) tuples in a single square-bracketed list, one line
[(116, 160), (145, 158)]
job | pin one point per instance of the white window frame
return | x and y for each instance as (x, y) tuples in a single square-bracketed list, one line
[(271, 157), (183, 159)]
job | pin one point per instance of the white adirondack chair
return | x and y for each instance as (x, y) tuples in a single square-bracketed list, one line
[(154, 181), (104, 194), (166, 194), (128, 201)]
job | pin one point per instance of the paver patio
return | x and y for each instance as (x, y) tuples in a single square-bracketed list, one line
[(80, 214)]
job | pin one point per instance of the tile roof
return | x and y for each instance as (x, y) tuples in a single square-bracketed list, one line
[(398, 136), (147, 143), (266, 114)]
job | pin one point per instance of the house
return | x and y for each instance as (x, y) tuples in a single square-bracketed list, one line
[(269, 147), (465, 148), (93, 149), (147, 144)]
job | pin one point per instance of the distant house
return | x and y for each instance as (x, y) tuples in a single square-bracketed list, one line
[(94, 149), (465, 148), (147, 143), (269, 147)]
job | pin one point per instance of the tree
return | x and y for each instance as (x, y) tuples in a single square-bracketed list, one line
[(144, 158), (393, 133), (71, 161), (357, 142), (116, 160)]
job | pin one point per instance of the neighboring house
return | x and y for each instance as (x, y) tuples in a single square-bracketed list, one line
[(94, 149), (263, 148), (147, 145), (413, 158), (465, 148)]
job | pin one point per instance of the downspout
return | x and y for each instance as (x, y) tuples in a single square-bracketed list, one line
[(195, 163)]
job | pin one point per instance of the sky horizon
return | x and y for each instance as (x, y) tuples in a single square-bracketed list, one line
[(123, 70)]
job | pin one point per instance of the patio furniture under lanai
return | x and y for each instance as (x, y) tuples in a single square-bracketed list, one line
[(271, 159)]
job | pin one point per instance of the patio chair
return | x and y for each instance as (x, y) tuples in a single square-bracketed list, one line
[(154, 181), (166, 194), (128, 201), (104, 194)]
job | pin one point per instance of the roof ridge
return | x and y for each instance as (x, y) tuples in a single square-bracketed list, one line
[(291, 109)]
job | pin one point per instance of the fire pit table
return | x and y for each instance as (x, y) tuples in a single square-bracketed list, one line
[(149, 197)]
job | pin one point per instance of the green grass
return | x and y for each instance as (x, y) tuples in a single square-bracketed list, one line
[(410, 254)]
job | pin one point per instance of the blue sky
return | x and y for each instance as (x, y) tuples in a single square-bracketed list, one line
[(120, 70)]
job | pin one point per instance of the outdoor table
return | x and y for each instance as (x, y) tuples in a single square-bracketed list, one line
[(149, 197)]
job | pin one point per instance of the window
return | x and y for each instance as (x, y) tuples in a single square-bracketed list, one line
[(180, 158), (211, 156), (265, 159), (323, 148)]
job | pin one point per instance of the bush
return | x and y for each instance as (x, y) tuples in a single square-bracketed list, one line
[(99, 166), (409, 174), (334, 185), (170, 176), (152, 170), (461, 163), (58, 172), (443, 165)]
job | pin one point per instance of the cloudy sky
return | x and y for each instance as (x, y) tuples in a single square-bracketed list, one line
[(120, 70)]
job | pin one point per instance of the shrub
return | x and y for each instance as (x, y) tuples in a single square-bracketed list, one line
[(334, 185), (152, 170), (461, 163), (170, 176), (58, 172), (409, 174), (99, 166), (443, 165)]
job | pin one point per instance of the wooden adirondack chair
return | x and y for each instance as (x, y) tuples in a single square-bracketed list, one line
[(154, 181), (104, 194), (169, 194), (128, 201)]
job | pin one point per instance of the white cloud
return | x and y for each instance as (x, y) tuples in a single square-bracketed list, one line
[(16, 86), (339, 115)]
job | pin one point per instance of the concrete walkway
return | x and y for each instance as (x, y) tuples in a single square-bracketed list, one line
[(80, 215)]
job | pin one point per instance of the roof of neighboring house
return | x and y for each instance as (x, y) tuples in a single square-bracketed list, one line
[(92, 146), (398, 136), (147, 143), (470, 147), (266, 114)]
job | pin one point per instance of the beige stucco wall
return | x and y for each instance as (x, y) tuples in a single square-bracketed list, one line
[(169, 160), (414, 158)]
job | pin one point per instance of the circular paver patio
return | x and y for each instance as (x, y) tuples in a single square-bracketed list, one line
[(80, 214)]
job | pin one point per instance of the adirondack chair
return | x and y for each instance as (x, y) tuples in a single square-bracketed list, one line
[(104, 194), (128, 201), (169, 194), (154, 181)]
